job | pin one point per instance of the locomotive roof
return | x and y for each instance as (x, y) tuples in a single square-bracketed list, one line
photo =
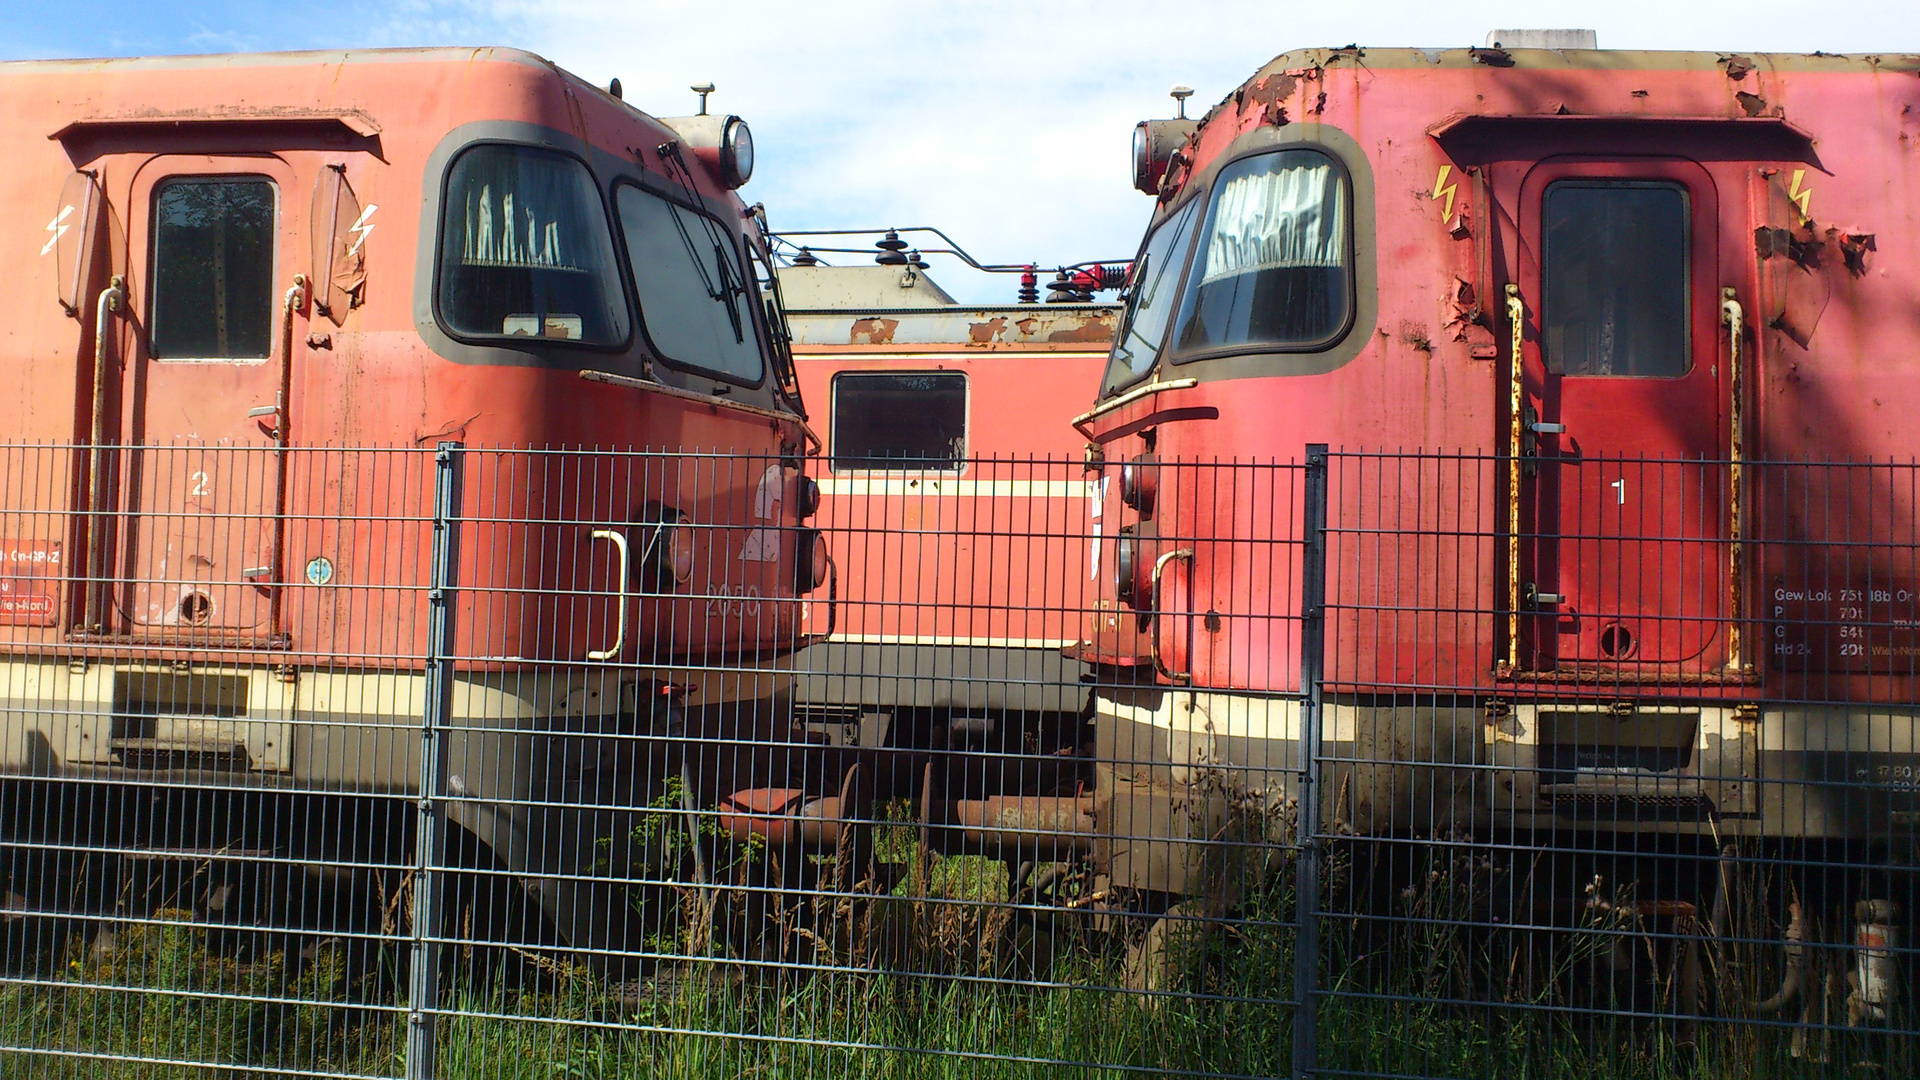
[(1585, 60), (304, 58)]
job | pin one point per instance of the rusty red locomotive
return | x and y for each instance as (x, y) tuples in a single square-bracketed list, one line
[(268, 288), (1598, 348)]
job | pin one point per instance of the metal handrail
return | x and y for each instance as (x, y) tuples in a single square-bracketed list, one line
[(1153, 639)]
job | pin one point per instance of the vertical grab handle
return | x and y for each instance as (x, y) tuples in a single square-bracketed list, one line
[(1734, 317), (1153, 639), (112, 300), (618, 539), (1516, 392)]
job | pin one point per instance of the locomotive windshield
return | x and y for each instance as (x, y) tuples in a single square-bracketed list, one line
[(525, 251), (1150, 296), (694, 300), (1275, 259)]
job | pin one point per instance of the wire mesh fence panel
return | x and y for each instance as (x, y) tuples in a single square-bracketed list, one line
[(470, 762), (832, 793), (1618, 760), (212, 682)]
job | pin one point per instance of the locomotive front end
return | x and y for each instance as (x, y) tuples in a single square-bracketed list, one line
[(1473, 480), (428, 483)]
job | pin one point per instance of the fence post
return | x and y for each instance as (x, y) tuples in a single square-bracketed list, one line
[(423, 989), (1313, 594)]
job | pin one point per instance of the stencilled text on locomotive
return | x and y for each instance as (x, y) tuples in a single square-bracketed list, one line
[(28, 571), (1870, 628)]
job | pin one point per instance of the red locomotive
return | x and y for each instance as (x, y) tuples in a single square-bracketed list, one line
[(267, 288), (944, 431), (1583, 330), (955, 509)]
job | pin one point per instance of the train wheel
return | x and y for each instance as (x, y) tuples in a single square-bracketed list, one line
[(1024, 949), (1159, 961)]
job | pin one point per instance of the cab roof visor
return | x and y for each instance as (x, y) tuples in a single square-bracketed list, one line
[(350, 122), (1483, 127)]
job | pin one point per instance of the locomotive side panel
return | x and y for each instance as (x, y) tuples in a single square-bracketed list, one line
[(985, 537)]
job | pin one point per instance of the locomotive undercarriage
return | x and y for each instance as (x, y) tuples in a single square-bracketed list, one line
[(281, 805), (1676, 834), (1148, 809), (904, 754)]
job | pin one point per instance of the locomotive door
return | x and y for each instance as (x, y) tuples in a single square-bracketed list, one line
[(1622, 433), (204, 397)]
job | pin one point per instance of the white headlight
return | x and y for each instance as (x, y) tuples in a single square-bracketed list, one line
[(736, 152)]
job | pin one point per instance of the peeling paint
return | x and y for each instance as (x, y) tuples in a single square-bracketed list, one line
[(982, 332), (1096, 328), (873, 331)]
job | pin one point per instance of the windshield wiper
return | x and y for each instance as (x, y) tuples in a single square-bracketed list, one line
[(1129, 295), (727, 292)]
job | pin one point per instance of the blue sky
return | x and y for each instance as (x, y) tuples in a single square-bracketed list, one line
[(1005, 124)]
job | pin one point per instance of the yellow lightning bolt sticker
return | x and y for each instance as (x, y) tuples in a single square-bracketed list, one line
[(1801, 197), (1444, 190)]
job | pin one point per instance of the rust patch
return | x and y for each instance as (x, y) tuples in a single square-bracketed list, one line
[(1276, 87), (873, 331), (1737, 66), (1799, 245), (1853, 251), (1264, 96), (1092, 328), (455, 428), (981, 333), (1414, 336), (1751, 104)]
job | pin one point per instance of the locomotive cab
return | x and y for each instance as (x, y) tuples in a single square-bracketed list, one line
[(1596, 559), (391, 296)]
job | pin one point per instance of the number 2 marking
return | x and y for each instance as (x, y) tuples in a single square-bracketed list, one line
[(1620, 489), (201, 488)]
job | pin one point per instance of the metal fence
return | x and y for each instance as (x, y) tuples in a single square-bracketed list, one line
[(478, 763)]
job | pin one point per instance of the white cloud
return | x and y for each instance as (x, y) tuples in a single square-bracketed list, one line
[(1007, 124)]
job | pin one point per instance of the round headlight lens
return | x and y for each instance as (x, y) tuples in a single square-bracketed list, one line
[(680, 549), (1126, 564), (736, 152), (1142, 157), (1137, 483)]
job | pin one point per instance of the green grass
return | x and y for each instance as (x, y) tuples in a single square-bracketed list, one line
[(718, 1018)]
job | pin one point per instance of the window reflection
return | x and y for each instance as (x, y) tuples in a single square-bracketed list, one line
[(525, 251), (1273, 265), (213, 269), (695, 302)]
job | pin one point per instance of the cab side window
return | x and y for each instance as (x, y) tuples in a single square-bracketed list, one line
[(525, 251), (1275, 264), (900, 420), (694, 299), (213, 241)]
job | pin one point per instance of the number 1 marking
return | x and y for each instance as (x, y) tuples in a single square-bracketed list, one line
[(1620, 488)]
